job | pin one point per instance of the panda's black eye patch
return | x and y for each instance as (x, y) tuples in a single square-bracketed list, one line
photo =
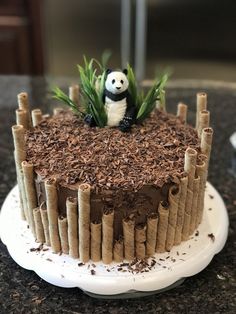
[(121, 81), (113, 81)]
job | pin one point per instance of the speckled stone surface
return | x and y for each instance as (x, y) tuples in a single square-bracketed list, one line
[(211, 291)]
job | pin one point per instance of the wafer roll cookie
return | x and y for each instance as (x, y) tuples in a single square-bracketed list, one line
[(72, 220), (201, 105), (38, 226), (31, 195), (57, 110), (96, 241), (173, 199), (107, 237), (189, 165), (23, 103), (204, 121), (206, 141), (152, 221), (187, 215), (201, 171), (196, 183), (44, 217), (163, 212), (52, 209), (74, 93), (181, 208), (84, 222), (37, 116), (21, 187), (118, 251), (128, 232), (63, 232), (182, 112), (190, 168), (18, 133), (22, 118), (140, 239)]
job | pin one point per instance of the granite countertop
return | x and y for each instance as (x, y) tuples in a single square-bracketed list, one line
[(213, 290)]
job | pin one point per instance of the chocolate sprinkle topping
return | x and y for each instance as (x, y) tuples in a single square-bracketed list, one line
[(62, 147)]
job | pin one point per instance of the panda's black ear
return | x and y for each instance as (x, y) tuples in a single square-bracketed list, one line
[(125, 71), (108, 71)]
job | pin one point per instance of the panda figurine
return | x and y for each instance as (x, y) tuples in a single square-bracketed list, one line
[(118, 103)]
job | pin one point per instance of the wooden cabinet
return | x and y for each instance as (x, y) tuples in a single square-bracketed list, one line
[(20, 37)]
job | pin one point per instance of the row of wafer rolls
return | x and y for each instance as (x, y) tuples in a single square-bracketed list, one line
[(78, 236)]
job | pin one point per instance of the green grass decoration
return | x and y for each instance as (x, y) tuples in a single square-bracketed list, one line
[(155, 93), (92, 84), (92, 96), (133, 89), (61, 96)]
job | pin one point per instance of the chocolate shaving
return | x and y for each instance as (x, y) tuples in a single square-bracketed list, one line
[(211, 236), (37, 249)]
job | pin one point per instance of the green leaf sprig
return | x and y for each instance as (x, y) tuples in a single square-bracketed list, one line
[(60, 95), (156, 93), (92, 96)]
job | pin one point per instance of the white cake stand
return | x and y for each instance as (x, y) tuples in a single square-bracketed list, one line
[(183, 261)]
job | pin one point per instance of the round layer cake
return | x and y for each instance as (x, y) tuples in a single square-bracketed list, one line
[(98, 193)]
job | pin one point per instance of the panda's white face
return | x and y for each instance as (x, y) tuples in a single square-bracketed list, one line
[(116, 82)]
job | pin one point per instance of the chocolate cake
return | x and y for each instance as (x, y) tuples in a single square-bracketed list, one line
[(101, 194)]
